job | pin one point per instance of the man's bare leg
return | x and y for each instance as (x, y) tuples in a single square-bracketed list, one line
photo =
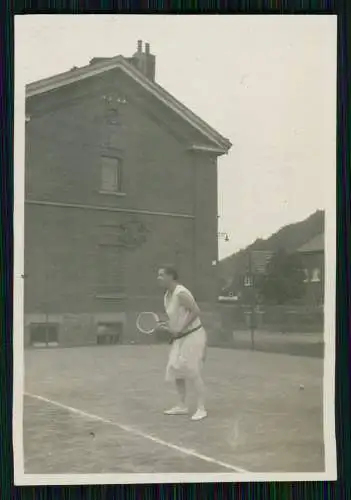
[(181, 408), (199, 387)]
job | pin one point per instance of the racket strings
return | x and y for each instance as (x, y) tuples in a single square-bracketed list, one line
[(147, 322)]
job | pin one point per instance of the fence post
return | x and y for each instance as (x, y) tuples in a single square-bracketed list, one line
[(253, 303)]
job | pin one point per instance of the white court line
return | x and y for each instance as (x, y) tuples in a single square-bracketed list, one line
[(137, 432)]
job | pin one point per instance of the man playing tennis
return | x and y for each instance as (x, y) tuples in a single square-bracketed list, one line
[(189, 342)]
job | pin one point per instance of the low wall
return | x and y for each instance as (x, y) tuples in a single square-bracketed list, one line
[(72, 329), (83, 329), (227, 325)]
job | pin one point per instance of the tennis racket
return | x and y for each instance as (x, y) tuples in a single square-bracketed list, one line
[(148, 322)]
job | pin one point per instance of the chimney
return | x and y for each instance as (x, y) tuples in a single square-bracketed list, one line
[(97, 60), (145, 62)]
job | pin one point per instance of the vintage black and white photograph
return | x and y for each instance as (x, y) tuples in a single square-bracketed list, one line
[(174, 269)]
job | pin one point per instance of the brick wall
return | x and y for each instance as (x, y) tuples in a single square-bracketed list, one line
[(206, 222), (68, 132), (62, 256)]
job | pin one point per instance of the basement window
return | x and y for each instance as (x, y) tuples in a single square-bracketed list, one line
[(109, 333), (44, 334)]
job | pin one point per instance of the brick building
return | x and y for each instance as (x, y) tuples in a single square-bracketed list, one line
[(312, 254), (120, 177)]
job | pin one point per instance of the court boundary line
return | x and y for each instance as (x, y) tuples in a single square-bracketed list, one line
[(132, 430)]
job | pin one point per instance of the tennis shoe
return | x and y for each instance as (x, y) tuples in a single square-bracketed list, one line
[(200, 414), (177, 410)]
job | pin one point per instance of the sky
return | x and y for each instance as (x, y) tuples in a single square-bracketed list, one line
[(267, 83)]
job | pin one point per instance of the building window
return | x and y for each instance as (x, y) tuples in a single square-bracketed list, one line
[(248, 281), (306, 276), (316, 275), (111, 175), (44, 334), (109, 333)]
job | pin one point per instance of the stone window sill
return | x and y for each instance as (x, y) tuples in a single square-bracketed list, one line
[(112, 193)]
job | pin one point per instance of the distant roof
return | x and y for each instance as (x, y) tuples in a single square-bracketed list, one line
[(101, 65), (316, 244)]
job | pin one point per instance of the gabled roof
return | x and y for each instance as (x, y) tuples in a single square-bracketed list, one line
[(222, 145), (316, 244)]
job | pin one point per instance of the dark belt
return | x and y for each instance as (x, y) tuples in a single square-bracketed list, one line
[(184, 334)]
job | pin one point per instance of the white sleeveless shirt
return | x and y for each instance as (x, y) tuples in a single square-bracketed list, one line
[(176, 312)]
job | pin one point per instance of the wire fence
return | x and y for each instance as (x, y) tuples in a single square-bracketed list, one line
[(282, 319)]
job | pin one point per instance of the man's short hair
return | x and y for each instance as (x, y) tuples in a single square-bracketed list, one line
[(170, 270)]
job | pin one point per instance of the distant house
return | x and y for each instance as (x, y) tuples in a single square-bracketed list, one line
[(119, 177), (251, 263), (312, 255)]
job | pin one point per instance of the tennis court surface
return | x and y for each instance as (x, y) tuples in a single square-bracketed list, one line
[(100, 410)]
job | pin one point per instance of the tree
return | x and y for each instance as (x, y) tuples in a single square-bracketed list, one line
[(283, 281)]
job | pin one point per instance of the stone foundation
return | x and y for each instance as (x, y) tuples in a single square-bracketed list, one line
[(72, 329), (85, 329)]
